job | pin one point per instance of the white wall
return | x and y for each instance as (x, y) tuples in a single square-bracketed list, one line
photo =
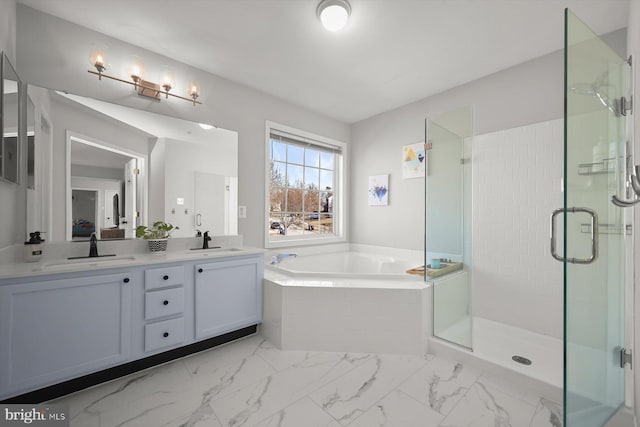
[(8, 29), (97, 172), (13, 196), (528, 93), (515, 280), (54, 53)]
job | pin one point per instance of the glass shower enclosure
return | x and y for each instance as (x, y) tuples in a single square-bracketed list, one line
[(448, 222), (595, 176)]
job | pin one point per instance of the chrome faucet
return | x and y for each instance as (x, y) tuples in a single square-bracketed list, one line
[(93, 246), (205, 240)]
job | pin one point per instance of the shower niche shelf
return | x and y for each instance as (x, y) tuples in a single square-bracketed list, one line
[(607, 166), (626, 229)]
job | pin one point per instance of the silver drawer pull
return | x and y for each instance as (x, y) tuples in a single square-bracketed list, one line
[(594, 236)]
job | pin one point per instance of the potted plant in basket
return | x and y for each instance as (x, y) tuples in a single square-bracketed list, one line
[(157, 235)]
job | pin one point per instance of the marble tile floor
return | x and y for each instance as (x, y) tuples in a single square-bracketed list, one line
[(251, 383)]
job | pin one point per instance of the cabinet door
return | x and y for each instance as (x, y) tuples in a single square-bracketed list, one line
[(228, 296), (55, 330)]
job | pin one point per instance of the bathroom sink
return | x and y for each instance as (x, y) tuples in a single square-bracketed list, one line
[(101, 261)]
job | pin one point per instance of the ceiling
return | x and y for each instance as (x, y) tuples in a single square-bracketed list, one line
[(391, 53)]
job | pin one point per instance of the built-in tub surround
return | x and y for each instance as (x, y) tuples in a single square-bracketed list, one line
[(346, 311), (323, 311)]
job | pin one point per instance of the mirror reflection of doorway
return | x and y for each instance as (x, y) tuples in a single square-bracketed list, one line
[(84, 208), (113, 174)]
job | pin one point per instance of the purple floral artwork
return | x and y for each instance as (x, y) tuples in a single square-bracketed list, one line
[(379, 190)]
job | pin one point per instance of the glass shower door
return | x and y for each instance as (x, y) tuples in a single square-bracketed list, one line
[(448, 223), (594, 230)]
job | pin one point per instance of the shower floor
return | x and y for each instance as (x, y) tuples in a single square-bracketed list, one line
[(498, 343)]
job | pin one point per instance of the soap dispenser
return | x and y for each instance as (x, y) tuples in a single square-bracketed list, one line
[(33, 248)]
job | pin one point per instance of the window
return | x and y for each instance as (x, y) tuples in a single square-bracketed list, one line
[(304, 188)]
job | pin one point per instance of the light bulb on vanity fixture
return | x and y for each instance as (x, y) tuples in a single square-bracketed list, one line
[(333, 14), (143, 87), (136, 74), (98, 60), (167, 82), (194, 91)]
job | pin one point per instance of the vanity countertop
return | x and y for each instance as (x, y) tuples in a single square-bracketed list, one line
[(63, 265)]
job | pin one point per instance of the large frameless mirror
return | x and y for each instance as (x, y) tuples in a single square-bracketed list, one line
[(114, 168), (9, 109)]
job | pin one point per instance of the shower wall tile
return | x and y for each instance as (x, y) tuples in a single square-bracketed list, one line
[(516, 185)]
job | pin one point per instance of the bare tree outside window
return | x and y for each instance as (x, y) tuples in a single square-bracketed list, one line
[(301, 189)]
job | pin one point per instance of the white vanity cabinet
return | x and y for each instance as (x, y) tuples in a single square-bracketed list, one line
[(53, 330), (64, 326), (228, 295)]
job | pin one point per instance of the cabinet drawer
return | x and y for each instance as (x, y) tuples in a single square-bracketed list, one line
[(163, 303), (163, 334), (162, 277)]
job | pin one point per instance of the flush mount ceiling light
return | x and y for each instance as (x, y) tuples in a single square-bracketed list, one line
[(333, 14), (141, 86)]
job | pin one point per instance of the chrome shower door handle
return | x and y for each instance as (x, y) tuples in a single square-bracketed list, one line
[(594, 236), (198, 220), (554, 254), (634, 181)]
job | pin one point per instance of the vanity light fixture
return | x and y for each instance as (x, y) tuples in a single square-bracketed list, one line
[(333, 14), (144, 87), (206, 126)]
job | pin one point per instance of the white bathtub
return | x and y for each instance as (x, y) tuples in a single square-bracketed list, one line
[(347, 264), (352, 299)]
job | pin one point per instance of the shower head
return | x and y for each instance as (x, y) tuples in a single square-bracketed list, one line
[(597, 90)]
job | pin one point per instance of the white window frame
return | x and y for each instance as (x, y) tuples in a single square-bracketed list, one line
[(339, 198)]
